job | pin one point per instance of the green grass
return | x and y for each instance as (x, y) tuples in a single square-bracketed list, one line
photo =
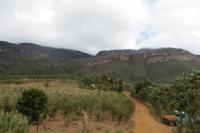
[(13, 123)]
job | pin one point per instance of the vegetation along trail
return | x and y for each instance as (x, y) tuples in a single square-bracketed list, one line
[(144, 122)]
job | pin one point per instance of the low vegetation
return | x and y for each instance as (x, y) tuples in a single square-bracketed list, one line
[(63, 98), (13, 123)]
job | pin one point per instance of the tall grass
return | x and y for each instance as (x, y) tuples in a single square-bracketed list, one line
[(117, 105), (13, 123), (65, 96)]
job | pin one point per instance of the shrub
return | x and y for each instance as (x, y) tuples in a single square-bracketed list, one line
[(7, 107), (107, 130), (142, 89), (121, 108), (13, 123), (54, 104), (120, 131), (33, 104)]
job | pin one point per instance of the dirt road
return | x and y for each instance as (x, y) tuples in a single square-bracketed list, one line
[(144, 121)]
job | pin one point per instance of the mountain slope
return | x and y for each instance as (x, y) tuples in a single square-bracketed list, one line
[(154, 64), (28, 58), (133, 65), (27, 50)]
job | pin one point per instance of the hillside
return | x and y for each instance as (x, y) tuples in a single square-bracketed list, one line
[(28, 58), (154, 64)]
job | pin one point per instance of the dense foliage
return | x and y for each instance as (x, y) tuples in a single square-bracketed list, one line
[(33, 104), (103, 82), (183, 95), (13, 123)]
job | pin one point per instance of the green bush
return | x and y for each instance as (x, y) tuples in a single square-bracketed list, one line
[(7, 107), (13, 123), (121, 108), (33, 104), (120, 131), (142, 89), (54, 104)]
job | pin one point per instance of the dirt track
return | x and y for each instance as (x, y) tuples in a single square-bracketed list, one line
[(144, 121)]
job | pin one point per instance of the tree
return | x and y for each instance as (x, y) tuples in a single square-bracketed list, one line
[(33, 104), (142, 89), (159, 96), (193, 96), (186, 92)]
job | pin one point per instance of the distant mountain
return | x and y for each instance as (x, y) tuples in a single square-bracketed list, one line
[(154, 64), (147, 56), (133, 65), (28, 58), (25, 50)]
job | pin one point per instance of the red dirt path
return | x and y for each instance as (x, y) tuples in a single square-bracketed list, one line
[(144, 122)]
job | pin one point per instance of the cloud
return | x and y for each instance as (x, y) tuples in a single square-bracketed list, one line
[(100, 24), (174, 23), (25, 20), (93, 25), (88, 25)]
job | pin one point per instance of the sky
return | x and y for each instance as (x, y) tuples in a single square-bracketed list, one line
[(94, 25)]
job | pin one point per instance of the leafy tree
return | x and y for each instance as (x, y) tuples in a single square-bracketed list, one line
[(187, 95), (159, 96), (33, 104), (142, 89)]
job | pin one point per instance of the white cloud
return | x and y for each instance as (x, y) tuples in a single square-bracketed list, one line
[(175, 23), (93, 25), (88, 25)]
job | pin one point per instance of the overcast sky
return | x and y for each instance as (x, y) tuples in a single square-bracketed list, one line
[(93, 25)]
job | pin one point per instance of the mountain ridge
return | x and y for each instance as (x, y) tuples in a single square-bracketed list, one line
[(154, 64), (31, 48)]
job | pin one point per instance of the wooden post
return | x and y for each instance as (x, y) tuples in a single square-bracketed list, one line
[(85, 122)]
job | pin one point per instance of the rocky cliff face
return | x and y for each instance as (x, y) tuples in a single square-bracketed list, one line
[(164, 55), (154, 64), (147, 55)]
